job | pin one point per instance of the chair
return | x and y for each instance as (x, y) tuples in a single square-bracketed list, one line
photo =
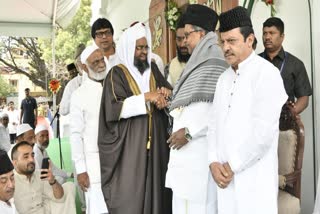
[(290, 154)]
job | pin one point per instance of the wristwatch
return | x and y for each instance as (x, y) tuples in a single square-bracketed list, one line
[(187, 134)]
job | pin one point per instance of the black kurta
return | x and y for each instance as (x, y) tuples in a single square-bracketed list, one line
[(132, 177)]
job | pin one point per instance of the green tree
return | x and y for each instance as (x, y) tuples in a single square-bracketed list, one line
[(39, 51), (5, 88)]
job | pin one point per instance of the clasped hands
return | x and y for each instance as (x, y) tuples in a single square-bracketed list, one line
[(158, 97), (221, 173)]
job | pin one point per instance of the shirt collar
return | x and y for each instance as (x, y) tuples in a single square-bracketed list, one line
[(245, 62)]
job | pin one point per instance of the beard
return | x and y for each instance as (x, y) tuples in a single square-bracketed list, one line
[(141, 65), (30, 168), (44, 145), (97, 75), (182, 57)]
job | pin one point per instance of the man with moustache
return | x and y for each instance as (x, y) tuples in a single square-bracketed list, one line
[(243, 130), (39, 149), (84, 120), (7, 184), (133, 130), (174, 69), (102, 34), (37, 193), (292, 69), (188, 175)]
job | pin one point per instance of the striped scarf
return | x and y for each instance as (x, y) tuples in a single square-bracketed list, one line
[(198, 80)]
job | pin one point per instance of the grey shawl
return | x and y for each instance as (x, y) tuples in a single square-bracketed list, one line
[(198, 80)]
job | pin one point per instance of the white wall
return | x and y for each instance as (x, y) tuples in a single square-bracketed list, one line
[(316, 58), (122, 13), (295, 15)]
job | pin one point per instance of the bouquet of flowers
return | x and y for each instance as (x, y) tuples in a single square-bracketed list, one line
[(54, 86), (172, 14)]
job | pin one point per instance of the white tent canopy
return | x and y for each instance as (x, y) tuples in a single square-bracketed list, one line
[(35, 18)]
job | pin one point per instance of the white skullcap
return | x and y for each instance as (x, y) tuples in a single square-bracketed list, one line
[(4, 115), (87, 52), (40, 128), (22, 128)]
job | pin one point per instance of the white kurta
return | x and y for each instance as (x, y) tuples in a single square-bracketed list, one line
[(188, 172), (13, 121), (84, 125), (59, 174), (4, 138), (243, 131), (6, 209), (71, 86)]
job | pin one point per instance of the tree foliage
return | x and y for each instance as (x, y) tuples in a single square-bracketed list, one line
[(5, 88), (39, 50)]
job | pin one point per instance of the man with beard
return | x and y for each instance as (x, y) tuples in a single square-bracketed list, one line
[(84, 120), (37, 192), (39, 149), (188, 174), (292, 69), (174, 69), (7, 184), (102, 34), (133, 130)]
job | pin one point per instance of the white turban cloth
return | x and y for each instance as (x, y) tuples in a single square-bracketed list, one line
[(125, 51)]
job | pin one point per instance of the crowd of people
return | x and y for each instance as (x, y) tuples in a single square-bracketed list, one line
[(199, 136)]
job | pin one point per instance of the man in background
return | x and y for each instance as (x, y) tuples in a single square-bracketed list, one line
[(29, 110), (4, 132), (13, 121), (40, 152), (174, 69), (102, 34), (292, 69)]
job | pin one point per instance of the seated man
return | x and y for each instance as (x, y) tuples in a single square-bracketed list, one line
[(42, 142), (6, 184), (25, 133), (38, 193)]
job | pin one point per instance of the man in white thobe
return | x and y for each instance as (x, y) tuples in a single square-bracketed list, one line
[(40, 152), (188, 174), (7, 185), (244, 127), (84, 121), (13, 121)]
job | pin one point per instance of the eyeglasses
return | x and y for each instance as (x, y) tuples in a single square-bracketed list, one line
[(187, 34), (106, 33), (142, 47)]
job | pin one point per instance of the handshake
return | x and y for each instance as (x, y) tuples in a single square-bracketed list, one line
[(159, 97)]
